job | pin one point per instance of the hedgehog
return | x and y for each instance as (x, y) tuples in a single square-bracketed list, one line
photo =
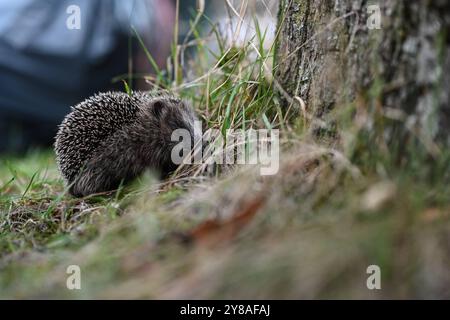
[(112, 137)]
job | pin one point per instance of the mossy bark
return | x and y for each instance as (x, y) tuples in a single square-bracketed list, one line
[(328, 56)]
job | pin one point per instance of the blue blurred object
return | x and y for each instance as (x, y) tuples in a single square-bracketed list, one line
[(45, 66)]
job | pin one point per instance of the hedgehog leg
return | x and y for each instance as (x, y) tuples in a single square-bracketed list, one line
[(117, 162), (93, 179)]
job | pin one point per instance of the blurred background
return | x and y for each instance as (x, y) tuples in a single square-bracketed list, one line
[(55, 53)]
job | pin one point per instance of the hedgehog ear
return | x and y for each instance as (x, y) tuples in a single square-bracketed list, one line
[(158, 108)]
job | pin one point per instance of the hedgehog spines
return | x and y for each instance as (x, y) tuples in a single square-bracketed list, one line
[(113, 137)]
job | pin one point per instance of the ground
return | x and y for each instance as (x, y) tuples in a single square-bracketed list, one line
[(311, 231)]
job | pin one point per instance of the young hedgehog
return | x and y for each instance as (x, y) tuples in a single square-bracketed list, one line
[(113, 137)]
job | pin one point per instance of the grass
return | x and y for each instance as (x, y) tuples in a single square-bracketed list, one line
[(336, 206)]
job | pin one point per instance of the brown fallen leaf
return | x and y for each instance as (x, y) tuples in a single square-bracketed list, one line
[(434, 214), (215, 231)]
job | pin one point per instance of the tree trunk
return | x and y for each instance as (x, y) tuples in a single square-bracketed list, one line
[(329, 55)]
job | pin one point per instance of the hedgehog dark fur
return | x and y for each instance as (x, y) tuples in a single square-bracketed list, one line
[(113, 137)]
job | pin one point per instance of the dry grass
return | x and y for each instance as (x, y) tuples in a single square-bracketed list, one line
[(308, 232)]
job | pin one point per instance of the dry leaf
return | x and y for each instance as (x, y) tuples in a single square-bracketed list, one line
[(217, 231)]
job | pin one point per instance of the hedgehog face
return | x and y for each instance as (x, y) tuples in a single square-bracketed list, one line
[(173, 114), (166, 116)]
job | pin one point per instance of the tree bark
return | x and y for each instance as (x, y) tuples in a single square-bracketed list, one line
[(327, 55)]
